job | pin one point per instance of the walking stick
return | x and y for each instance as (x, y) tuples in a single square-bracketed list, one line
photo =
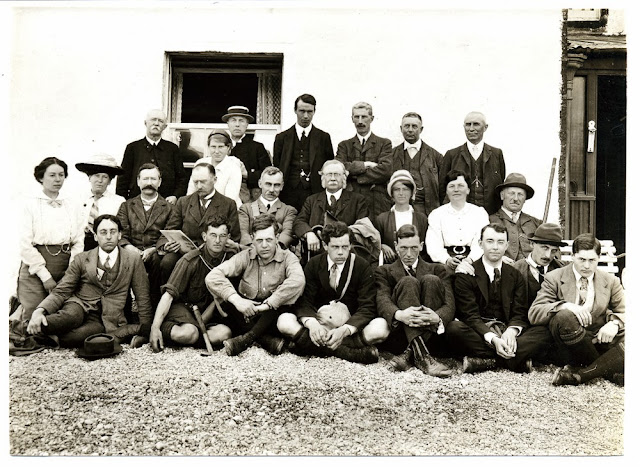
[(203, 328), (546, 207)]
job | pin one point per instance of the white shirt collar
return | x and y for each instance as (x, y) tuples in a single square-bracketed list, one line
[(113, 256), (534, 265), (337, 194), (414, 265), (299, 130), (393, 208), (150, 141), (578, 276), (366, 137), (417, 145), (510, 213), (265, 202), (234, 142), (331, 263), (209, 196), (479, 146), (489, 268)]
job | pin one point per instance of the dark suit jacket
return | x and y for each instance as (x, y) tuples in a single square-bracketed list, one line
[(494, 172), (168, 159), (139, 231), (387, 277), (186, 216), (81, 285), (254, 157), (430, 168), (320, 151), (359, 297), (385, 223), (353, 156), (472, 298), (350, 207), (283, 213), (519, 232), (532, 284)]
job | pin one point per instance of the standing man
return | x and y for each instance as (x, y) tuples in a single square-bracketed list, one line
[(334, 202), (421, 160), (367, 158), (483, 164), (270, 280), (101, 169), (193, 212), (270, 183), (91, 296), (334, 278), (545, 247), (300, 152), (252, 153), (416, 300), (162, 153), (513, 193), (142, 219), (585, 310), (492, 329)]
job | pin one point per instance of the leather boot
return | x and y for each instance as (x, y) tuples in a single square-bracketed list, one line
[(364, 355), (239, 344), (432, 367), (477, 365), (273, 345), (303, 345), (402, 362)]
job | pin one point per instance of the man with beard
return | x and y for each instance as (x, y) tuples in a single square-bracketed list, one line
[(142, 219)]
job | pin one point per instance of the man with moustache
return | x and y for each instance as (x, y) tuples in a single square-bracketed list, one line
[(367, 158), (270, 183), (91, 296), (421, 160), (513, 193), (155, 150), (300, 152), (142, 219), (483, 164)]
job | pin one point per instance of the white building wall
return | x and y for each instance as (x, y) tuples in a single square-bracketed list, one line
[(83, 77)]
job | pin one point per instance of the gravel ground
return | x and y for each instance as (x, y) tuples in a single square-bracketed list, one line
[(179, 403)]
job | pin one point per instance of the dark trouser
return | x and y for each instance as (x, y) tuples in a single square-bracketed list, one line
[(574, 343), (295, 196), (262, 323), (532, 343), (153, 266), (167, 263), (72, 325), (377, 200)]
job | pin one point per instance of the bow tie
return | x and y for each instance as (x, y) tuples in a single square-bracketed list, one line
[(55, 203), (148, 203)]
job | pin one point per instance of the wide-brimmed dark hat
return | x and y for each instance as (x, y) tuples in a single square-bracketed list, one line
[(237, 111), (99, 346), (548, 234), (517, 180), (100, 163)]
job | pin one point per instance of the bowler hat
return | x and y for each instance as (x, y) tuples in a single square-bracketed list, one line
[(237, 111), (100, 163), (548, 234), (517, 180), (99, 346), (401, 176)]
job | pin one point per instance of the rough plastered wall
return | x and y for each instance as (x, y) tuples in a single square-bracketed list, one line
[(83, 77)]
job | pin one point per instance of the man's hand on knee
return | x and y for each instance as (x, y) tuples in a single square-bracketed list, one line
[(36, 322), (607, 333), (581, 312), (336, 336), (317, 332)]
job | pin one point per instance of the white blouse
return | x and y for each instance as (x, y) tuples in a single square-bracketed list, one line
[(402, 217), (449, 227), (49, 222), (229, 174)]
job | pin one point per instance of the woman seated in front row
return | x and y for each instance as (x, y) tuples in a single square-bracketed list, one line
[(401, 188), (454, 228)]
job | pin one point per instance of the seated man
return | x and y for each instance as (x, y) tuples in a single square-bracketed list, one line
[(91, 296), (416, 300), (513, 193), (545, 244), (174, 321), (271, 279), (584, 309), (142, 218), (271, 182), (492, 327), (333, 278), (334, 202)]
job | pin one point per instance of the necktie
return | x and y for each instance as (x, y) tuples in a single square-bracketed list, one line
[(93, 213), (514, 216), (584, 287), (541, 274), (411, 271), (107, 263), (303, 138), (268, 207), (333, 277), (412, 151), (332, 201), (363, 140), (496, 278)]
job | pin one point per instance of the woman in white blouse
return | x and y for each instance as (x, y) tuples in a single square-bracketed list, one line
[(52, 234), (229, 169), (454, 228)]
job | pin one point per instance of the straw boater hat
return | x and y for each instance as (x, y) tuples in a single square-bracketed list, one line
[(100, 163), (401, 176), (99, 346), (237, 111), (518, 181), (548, 234)]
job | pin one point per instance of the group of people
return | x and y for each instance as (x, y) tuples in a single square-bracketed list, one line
[(283, 252)]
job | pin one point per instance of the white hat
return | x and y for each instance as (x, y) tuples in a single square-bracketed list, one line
[(401, 176)]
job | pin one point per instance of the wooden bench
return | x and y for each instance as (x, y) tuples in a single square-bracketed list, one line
[(608, 259)]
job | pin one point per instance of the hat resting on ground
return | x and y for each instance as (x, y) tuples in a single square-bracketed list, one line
[(517, 180), (99, 346), (401, 176), (100, 163), (237, 111), (548, 234)]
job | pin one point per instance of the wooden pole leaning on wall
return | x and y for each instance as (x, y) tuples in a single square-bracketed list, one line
[(549, 189)]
